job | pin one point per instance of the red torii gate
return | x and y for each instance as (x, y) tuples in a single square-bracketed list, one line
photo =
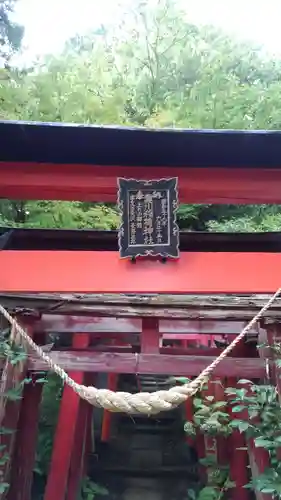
[(48, 161)]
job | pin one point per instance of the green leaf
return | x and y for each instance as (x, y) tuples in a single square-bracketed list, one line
[(237, 409), (182, 380), (219, 404), (208, 461), (197, 402), (243, 426), (263, 443), (13, 394), (5, 430), (4, 459), (230, 390), (245, 381), (191, 494), (3, 487)]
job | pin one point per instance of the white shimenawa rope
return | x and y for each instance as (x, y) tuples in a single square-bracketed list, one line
[(142, 402)]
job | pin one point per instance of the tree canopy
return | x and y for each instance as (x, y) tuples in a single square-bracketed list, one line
[(11, 33), (155, 69)]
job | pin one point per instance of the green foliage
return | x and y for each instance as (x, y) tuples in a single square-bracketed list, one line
[(58, 214), (48, 418), (209, 417), (15, 354), (158, 70), (89, 490), (10, 33), (262, 425)]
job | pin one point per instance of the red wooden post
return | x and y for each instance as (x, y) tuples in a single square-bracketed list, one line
[(238, 459), (270, 336), (12, 409), (222, 448), (25, 444), (106, 420), (77, 463), (259, 457), (65, 432), (259, 461), (189, 418), (211, 448), (89, 435), (150, 336)]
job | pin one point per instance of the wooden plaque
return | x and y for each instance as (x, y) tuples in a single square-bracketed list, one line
[(148, 211)]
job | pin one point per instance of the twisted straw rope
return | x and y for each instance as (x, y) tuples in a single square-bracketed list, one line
[(142, 402)]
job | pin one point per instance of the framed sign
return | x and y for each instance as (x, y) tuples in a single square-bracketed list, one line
[(148, 210)]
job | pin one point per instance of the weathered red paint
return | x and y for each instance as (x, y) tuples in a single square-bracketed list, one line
[(150, 364), (10, 419), (77, 462), (219, 395), (189, 418), (259, 461), (47, 181), (25, 444), (150, 336), (238, 459), (65, 432), (56, 323), (107, 415), (89, 428), (84, 272)]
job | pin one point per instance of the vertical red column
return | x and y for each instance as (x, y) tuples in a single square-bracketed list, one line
[(77, 463), (238, 460), (65, 432), (89, 427), (211, 445), (106, 421), (11, 411), (270, 336), (25, 444), (219, 395), (189, 418), (150, 336), (259, 461)]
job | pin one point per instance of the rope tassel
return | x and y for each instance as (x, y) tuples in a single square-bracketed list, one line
[(142, 402)]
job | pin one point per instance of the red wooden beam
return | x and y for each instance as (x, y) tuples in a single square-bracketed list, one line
[(150, 364), (65, 433), (104, 272), (94, 183), (58, 323), (25, 444)]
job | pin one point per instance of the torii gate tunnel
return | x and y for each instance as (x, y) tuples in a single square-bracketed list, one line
[(150, 318)]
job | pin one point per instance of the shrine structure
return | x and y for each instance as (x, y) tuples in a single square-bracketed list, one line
[(141, 319)]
